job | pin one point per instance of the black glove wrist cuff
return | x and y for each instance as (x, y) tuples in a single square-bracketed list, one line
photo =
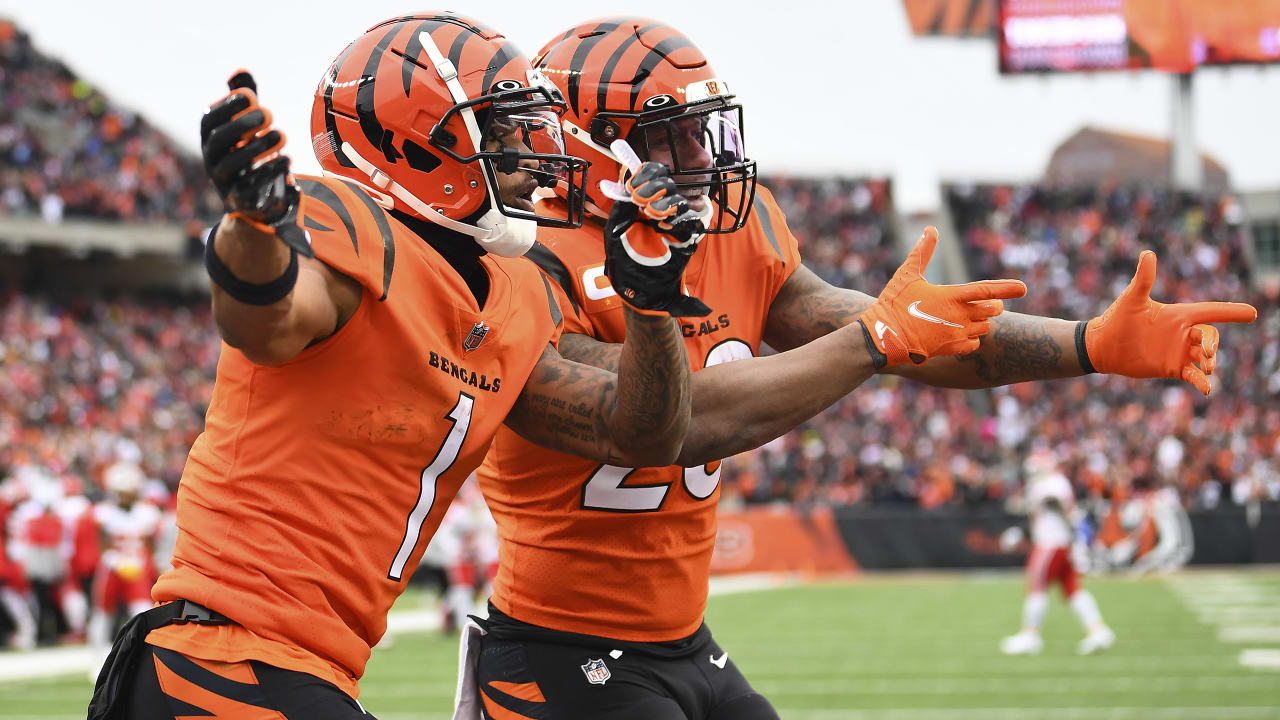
[(268, 293), (878, 359), (1082, 352)]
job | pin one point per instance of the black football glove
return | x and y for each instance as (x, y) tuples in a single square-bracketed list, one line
[(648, 243), (242, 157)]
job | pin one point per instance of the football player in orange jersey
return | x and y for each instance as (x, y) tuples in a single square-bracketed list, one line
[(597, 607), (379, 326)]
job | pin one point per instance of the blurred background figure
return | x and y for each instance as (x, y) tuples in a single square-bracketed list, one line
[(128, 526), (466, 547), (1051, 507)]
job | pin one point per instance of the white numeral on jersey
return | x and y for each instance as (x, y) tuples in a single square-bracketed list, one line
[(460, 415), (604, 491)]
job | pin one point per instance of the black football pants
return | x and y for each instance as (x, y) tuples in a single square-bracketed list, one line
[(526, 680)]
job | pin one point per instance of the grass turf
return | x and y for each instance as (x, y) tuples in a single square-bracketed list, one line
[(892, 648)]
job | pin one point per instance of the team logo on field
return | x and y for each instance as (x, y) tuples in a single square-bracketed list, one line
[(596, 671), (475, 337)]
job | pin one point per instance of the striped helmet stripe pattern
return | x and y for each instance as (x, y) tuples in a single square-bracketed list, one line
[(655, 56), (612, 63), (365, 107), (580, 59), (335, 140), (501, 58)]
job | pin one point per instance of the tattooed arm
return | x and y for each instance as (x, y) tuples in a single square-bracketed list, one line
[(741, 405), (636, 418), (1018, 348)]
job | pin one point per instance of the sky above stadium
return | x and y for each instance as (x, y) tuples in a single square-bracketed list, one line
[(828, 87)]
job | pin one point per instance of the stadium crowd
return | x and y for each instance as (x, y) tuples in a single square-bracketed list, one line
[(1076, 249), (66, 151)]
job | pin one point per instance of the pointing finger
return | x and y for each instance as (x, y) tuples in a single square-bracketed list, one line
[(1219, 312)]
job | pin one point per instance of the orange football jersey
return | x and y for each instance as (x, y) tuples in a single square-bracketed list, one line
[(620, 552), (308, 500)]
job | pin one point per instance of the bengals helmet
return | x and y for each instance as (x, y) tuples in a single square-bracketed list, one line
[(426, 111), (645, 82)]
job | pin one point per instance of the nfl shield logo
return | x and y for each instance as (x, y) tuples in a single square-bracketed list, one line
[(596, 672), (475, 337)]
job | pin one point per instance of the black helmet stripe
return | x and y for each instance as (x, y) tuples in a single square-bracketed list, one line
[(505, 54), (659, 51), (606, 76), (377, 135), (580, 58), (551, 49), (330, 126), (455, 50), (413, 49)]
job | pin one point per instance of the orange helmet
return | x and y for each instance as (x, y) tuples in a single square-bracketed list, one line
[(426, 111), (643, 81)]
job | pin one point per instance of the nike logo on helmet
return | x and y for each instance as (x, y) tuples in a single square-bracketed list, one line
[(914, 310)]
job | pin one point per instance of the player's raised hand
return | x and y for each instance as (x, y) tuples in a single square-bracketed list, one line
[(649, 238), (243, 158), (1139, 337), (913, 319)]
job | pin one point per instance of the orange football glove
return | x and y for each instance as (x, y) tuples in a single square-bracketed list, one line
[(1141, 338), (915, 320)]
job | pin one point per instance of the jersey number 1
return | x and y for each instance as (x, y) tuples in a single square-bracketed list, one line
[(460, 416)]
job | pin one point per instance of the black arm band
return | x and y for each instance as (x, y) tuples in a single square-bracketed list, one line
[(268, 293), (878, 359), (1082, 352)]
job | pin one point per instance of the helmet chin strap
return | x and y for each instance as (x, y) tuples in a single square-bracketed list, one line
[(495, 232)]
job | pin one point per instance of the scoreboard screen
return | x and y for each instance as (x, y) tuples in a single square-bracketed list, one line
[(1171, 35)]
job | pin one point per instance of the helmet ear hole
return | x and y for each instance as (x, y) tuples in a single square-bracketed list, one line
[(604, 130)]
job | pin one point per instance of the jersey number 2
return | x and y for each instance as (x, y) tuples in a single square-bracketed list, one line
[(460, 416), (605, 491)]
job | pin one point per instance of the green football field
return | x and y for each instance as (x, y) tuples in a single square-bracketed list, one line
[(898, 647)]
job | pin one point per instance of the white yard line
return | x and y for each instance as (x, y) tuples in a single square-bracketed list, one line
[(1261, 659)]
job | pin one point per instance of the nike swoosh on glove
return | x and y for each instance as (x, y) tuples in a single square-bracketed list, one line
[(913, 319), (1141, 338)]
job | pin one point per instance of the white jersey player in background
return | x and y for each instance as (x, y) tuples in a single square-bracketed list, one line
[(1051, 505)]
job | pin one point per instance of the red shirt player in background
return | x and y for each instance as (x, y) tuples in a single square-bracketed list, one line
[(1051, 505), (125, 571), (602, 583)]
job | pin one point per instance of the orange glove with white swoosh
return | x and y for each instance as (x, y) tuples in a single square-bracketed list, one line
[(1141, 338), (913, 319)]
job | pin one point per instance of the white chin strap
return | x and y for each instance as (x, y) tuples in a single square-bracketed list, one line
[(495, 232)]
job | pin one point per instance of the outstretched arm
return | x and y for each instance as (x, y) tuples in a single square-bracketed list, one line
[(743, 404), (1136, 337), (637, 417), (271, 296), (1018, 348)]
